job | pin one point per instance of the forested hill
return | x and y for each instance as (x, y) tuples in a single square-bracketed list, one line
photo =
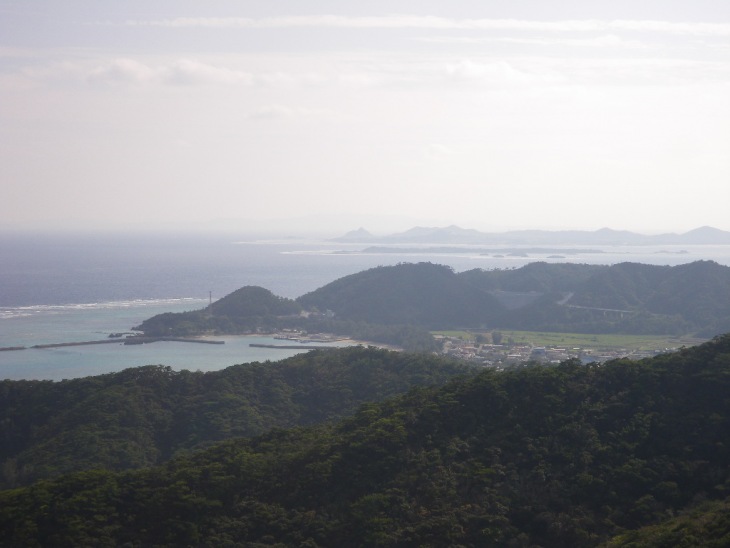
[(690, 299), (143, 416), (423, 294), (561, 456), (254, 309), (626, 297), (246, 309)]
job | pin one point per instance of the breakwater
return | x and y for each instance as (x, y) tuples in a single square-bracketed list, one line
[(144, 340), (290, 346), (127, 341)]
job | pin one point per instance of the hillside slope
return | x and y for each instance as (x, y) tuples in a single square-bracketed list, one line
[(536, 456), (423, 294), (630, 298), (143, 416), (627, 297), (246, 309)]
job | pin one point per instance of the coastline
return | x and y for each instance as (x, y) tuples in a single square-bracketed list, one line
[(321, 341), (341, 341), (112, 340), (70, 362)]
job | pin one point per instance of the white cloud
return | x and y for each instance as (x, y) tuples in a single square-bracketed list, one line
[(363, 72), (273, 112), (436, 130), (399, 21), (396, 21), (338, 21), (700, 29), (185, 71), (438, 151), (122, 70), (129, 71), (362, 79), (603, 41), (190, 72), (499, 73)]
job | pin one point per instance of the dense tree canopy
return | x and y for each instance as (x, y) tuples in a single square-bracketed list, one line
[(419, 294), (143, 416), (571, 455), (624, 298), (253, 301)]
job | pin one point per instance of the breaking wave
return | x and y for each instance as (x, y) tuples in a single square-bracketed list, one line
[(35, 310)]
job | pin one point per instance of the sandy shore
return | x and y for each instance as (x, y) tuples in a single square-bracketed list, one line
[(314, 341)]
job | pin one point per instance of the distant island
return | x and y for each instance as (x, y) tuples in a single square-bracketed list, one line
[(501, 251), (453, 234)]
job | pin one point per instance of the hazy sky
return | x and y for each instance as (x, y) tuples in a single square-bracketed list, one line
[(487, 114)]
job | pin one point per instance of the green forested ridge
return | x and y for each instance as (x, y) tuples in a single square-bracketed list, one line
[(253, 309), (422, 294), (246, 309), (539, 276), (645, 299), (143, 416), (622, 298), (569, 455), (630, 298), (254, 301)]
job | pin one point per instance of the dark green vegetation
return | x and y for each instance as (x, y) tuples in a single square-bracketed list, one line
[(255, 309), (629, 298), (569, 455), (141, 417), (245, 310), (421, 294), (623, 298), (707, 524)]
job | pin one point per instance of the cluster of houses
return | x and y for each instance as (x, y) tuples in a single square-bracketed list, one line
[(505, 355), (490, 354)]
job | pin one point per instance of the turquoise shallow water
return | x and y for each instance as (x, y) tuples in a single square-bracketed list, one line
[(48, 325), (81, 361)]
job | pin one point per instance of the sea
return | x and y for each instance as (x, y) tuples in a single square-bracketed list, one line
[(71, 287)]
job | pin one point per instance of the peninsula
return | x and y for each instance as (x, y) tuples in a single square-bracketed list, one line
[(403, 304)]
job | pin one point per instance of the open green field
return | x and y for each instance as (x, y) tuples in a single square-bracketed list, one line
[(580, 340)]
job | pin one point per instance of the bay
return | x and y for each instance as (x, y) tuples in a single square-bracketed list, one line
[(80, 361), (75, 287)]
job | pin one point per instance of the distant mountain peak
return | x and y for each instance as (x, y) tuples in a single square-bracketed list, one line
[(706, 230), (607, 230), (359, 232), (706, 235), (451, 233), (359, 235), (455, 234)]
